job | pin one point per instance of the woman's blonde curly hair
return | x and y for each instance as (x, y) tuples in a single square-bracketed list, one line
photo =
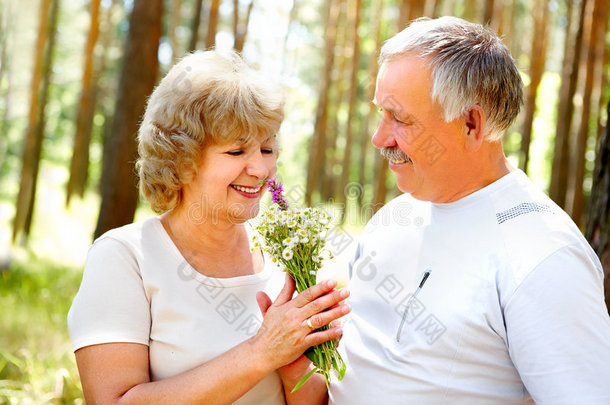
[(206, 98)]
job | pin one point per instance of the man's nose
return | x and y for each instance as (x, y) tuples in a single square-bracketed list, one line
[(384, 135)]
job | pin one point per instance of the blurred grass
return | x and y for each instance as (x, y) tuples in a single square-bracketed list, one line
[(36, 361)]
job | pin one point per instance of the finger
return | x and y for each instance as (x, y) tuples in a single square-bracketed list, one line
[(263, 301), (326, 317), (319, 337), (324, 302), (287, 291), (314, 292)]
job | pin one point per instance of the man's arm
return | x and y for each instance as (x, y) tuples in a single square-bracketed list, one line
[(558, 330)]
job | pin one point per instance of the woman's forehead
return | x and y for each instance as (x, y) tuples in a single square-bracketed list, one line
[(246, 140)]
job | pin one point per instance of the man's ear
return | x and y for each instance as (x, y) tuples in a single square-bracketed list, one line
[(474, 128)]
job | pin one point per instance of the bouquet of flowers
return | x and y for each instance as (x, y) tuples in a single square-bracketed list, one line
[(294, 238)]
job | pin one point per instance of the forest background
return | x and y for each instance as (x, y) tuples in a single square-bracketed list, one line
[(75, 74)]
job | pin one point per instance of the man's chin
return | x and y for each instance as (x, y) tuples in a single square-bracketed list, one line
[(411, 190)]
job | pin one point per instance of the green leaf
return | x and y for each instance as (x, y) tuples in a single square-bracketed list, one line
[(342, 371), (303, 381)]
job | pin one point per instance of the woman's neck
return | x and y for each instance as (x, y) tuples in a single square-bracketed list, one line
[(213, 249)]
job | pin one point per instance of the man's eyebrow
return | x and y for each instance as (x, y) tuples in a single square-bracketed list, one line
[(402, 116)]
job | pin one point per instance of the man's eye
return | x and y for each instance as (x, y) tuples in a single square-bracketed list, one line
[(235, 152), (398, 120)]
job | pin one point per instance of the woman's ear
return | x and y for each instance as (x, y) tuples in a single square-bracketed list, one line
[(474, 128)]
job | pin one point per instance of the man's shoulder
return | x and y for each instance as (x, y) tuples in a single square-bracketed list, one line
[(523, 211), (397, 211), (532, 227)]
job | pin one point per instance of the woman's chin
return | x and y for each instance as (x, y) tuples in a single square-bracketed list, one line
[(244, 214)]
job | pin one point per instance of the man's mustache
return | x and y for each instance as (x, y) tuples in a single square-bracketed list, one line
[(393, 154)]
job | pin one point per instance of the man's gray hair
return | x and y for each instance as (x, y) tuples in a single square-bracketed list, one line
[(470, 65)]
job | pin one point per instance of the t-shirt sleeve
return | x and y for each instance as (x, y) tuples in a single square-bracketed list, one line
[(111, 305), (558, 330)]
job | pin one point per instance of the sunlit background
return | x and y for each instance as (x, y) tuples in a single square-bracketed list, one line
[(284, 40)]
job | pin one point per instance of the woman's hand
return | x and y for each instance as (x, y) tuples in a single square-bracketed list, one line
[(285, 333)]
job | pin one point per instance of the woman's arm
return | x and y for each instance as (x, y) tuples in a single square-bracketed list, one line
[(118, 373), (314, 392)]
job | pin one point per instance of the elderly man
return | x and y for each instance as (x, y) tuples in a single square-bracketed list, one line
[(473, 287)]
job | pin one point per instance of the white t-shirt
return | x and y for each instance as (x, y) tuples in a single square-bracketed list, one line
[(513, 306), (138, 288)]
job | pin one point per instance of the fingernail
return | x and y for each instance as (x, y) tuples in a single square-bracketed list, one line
[(331, 283), (343, 293), (346, 308)]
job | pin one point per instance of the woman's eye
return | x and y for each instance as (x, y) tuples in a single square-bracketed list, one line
[(235, 152), (267, 151)]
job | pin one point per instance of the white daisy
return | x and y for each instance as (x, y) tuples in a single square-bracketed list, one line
[(287, 254)]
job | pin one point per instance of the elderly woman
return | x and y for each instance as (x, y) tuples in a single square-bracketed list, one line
[(169, 308)]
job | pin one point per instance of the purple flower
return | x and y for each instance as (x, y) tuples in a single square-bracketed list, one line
[(276, 189)]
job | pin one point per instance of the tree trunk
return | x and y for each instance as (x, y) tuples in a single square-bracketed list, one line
[(435, 8), (416, 9), (195, 25), (235, 18), (31, 145), (602, 71), (508, 24), (318, 143), (448, 7), (410, 10), (565, 111), (598, 225), (4, 21), (403, 14), (380, 188), (492, 14), (292, 18), (337, 91), (488, 7), (5, 72), (138, 76), (537, 61), (40, 127), (369, 90), (353, 95), (514, 39), (596, 34), (470, 11), (79, 164), (174, 24), (242, 29), (210, 40)]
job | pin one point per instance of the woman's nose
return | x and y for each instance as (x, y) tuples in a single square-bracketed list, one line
[(257, 166)]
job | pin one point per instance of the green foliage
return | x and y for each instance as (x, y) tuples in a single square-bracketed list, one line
[(36, 361)]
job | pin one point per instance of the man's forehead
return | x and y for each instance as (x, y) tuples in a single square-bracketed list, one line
[(399, 79)]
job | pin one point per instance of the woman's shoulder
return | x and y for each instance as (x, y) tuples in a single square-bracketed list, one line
[(126, 245), (131, 235)]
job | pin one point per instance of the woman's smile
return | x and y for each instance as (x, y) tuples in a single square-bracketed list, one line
[(247, 191)]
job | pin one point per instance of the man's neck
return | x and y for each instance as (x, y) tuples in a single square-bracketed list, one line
[(491, 165)]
